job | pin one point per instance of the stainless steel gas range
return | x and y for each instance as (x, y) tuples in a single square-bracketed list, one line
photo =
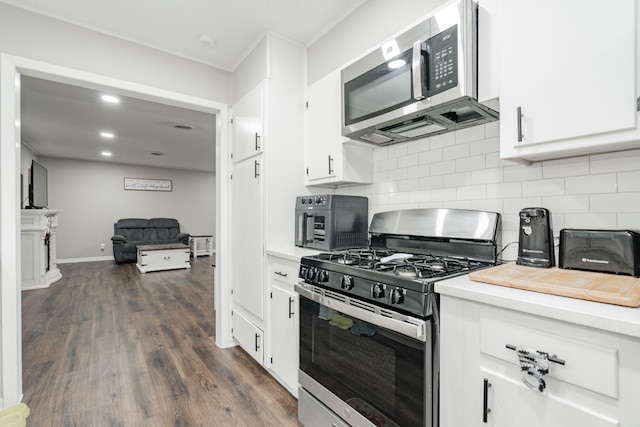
[(369, 329)]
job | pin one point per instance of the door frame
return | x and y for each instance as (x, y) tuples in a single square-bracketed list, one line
[(11, 68)]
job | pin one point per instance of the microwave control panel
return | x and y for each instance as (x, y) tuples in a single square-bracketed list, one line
[(443, 61)]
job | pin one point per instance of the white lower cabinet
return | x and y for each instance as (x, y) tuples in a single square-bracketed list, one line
[(248, 335), (481, 382), (283, 337)]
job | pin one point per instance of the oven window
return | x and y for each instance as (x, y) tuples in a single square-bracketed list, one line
[(382, 375)]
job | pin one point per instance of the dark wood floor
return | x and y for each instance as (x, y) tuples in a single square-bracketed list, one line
[(109, 346)]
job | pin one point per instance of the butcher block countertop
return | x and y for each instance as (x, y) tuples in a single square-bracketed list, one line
[(604, 316)]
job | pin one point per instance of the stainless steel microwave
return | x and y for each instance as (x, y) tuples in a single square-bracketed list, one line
[(420, 83)]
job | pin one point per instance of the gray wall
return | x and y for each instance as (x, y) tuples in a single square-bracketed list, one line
[(91, 197), (369, 25), (30, 35)]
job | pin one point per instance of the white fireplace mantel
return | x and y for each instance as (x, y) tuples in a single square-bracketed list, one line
[(38, 229)]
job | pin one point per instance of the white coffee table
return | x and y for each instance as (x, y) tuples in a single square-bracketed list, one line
[(170, 256)]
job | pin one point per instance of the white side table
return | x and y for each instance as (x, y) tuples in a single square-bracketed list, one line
[(201, 245)]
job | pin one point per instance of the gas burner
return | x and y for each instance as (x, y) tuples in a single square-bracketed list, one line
[(406, 270)]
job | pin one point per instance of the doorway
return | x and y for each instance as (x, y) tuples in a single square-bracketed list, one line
[(11, 70)]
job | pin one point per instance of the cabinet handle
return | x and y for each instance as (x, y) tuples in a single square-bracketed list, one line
[(257, 346), (256, 169), (552, 358), (519, 116), (257, 141), (330, 165), (281, 274), (485, 401), (291, 313)]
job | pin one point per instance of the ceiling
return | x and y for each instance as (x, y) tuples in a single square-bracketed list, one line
[(60, 120)]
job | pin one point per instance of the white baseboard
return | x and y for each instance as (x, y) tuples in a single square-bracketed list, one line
[(72, 260)]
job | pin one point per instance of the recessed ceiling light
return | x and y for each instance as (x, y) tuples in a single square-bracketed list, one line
[(207, 40), (110, 99), (107, 135), (106, 153), (182, 127)]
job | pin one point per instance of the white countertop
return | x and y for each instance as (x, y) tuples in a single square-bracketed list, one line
[(291, 253), (608, 317)]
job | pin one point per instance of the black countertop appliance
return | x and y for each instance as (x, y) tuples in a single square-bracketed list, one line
[(535, 241)]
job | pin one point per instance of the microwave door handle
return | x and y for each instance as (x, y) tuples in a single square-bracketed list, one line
[(418, 70)]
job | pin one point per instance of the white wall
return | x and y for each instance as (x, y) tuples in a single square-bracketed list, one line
[(46, 39), (91, 198), (463, 170)]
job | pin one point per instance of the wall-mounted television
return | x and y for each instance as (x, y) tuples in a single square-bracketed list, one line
[(38, 192)]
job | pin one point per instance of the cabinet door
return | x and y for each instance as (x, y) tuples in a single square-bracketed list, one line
[(571, 70), (284, 336), (247, 129), (322, 136), (246, 237), (248, 335), (514, 404)]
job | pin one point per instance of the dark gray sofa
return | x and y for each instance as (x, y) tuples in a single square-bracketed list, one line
[(131, 232)]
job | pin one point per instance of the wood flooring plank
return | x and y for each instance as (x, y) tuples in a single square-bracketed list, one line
[(109, 346)]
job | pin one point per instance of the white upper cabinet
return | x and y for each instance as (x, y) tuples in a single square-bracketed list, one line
[(330, 159), (569, 76), (248, 124)]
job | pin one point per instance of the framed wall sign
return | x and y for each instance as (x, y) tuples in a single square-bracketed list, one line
[(146, 184)]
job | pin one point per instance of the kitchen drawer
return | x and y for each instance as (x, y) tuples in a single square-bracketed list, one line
[(588, 365), (284, 271)]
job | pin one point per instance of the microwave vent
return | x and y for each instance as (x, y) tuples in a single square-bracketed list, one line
[(376, 138)]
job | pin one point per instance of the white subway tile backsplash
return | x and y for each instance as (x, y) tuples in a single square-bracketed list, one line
[(565, 167), (567, 204), (432, 182), (397, 150), (509, 190), (547, 187), (487, 176), (457, 179), (591, 184), (629, 181), (442, 140), (463, 169), (398, 174), (470, 163), (408, 161), (484, 146), (455, 152), (443, 168), (388, 164), (523, 173), (419, 171), (409, 185), (443, 195), (472, 192), (615, 203), (474, 133), (428, 157), (418, 146), (592, 221), (615, 162), (629, 221)]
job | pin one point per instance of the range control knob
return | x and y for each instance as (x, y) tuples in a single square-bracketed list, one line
[(310, 200), (312, 273), (303, 272), (377, 290), (396, 296), (346, 282), (323, 276)]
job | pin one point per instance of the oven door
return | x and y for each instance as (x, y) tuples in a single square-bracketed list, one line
[(377, 372)]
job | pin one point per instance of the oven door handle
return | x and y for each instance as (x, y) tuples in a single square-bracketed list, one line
[(404, 325)]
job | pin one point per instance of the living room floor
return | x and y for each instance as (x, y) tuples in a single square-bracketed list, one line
[(109, 346)]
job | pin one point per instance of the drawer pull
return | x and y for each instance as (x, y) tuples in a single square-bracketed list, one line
[(257, 345), (485, 401), (281, 274), (553, 358)]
